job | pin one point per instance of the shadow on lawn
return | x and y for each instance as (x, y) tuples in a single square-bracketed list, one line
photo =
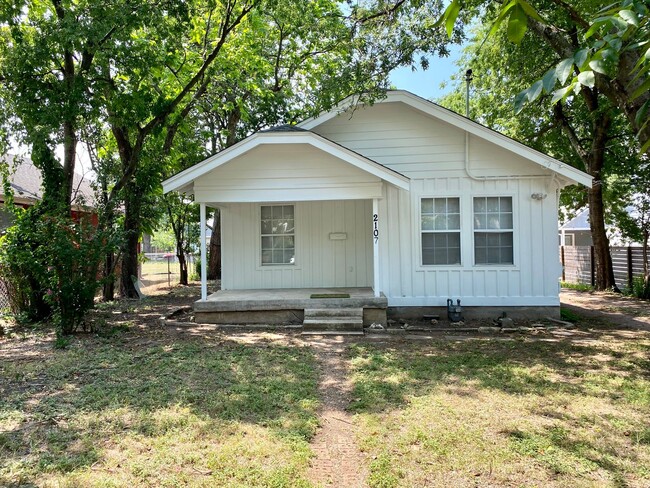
[(387, 376), (69, 398)]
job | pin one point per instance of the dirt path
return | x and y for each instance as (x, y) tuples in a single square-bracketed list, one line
[(616, 309), (338, 461)]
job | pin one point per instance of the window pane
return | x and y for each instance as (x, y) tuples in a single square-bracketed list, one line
[(287, 211), (427, 222), (492, 204), (267, 243), (267, 257), (427, 256), (506, 255), (427, 205), (479, 204), (493, 221), (505, 204), (453, 222), (506, 221), (453, 205), (440, 222), (267, 212), (480, 221), (277, 212), (267, 226), (288, 257)]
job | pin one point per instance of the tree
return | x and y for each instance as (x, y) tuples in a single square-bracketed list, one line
[(586, 131), (607, 49)]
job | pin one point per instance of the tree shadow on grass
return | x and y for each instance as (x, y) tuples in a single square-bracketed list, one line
[(65, 406), (387, 376)]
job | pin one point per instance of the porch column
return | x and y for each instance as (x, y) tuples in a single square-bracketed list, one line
[(375, 245), (204, 256)]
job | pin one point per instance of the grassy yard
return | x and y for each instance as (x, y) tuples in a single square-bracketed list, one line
[(139, 404), (505, 413), (130, 410)]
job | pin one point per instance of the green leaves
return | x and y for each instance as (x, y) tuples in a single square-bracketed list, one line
[(517, 24)]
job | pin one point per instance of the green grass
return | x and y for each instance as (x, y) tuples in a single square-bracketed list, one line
[(123, 411), (576, 286), (505, 413)]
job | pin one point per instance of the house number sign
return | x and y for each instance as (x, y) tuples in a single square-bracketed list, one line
[(375, 227)]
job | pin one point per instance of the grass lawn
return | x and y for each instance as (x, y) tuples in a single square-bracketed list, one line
[(137, 410), (505, 413)]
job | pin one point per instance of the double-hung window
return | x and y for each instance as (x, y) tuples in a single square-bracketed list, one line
[(440, 228), (493, 232), (278, 235)]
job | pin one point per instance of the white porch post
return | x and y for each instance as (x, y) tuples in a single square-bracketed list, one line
[(204, 255), (375, 245)]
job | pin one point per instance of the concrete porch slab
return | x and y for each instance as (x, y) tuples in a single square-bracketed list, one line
[(284, 305)]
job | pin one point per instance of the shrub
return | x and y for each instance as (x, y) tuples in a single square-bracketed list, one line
[(641, 287), (51, 265)]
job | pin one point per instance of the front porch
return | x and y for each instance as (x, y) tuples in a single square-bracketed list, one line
[(286, 305)]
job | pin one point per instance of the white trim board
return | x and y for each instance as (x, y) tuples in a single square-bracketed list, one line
[(456, 120), (185, 178)]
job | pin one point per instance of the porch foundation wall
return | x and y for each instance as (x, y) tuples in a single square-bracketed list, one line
[(276, 317)]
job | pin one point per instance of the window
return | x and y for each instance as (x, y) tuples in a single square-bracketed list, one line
[(278, 235), (568, 239), (440, 226), (493, 230)]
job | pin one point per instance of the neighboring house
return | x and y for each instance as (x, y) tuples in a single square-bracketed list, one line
[(403, 198), (577, 232), (26, 182)]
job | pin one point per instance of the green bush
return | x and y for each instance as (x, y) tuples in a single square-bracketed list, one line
[(51, 266), (641, 287)]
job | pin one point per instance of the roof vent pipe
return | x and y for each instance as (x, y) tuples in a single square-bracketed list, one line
[(468, 80)]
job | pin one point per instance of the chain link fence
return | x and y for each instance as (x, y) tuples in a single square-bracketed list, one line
[(162, 269)]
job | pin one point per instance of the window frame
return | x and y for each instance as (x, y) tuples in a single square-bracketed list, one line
[(512, 230), (459, 231), (264, 266)]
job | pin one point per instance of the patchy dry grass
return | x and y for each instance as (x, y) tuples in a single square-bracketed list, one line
[(505, 413), (167, 410)]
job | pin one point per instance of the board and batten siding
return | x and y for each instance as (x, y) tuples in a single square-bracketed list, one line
[(320, 261), (432, 153)]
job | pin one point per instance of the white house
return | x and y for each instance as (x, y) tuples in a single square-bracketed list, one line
[(403, 198)]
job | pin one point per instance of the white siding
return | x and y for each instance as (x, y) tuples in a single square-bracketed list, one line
[(533, 278), (432, 154), (415, 144), (320, 261), (275, 173)]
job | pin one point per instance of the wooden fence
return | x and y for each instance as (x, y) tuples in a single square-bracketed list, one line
[(578, 264)]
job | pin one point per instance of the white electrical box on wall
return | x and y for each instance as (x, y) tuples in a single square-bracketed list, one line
[(338, 236)]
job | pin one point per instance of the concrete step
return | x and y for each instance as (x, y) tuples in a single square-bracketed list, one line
[(333, 332), (333, 321), (333, 312)]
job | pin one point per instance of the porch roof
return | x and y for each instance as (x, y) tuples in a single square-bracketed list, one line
[(186, 181)]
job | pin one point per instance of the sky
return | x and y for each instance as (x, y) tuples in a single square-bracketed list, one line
[(427, 83)]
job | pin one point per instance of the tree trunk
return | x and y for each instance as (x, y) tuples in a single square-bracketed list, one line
[(108, 292), (129, 274), (604, 268), (182, 263), (214, 262)]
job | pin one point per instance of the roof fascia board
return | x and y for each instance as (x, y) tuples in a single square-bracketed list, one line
[(186, 177)]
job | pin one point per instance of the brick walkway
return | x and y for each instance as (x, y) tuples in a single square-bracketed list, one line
[(338, 461)]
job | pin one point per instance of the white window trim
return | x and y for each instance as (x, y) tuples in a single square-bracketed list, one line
[(418, 240), (258, 241), (514, 230)]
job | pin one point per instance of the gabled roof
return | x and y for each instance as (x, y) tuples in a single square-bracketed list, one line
[(27, 183), (466, 124), (579, 222), (283, 135)]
